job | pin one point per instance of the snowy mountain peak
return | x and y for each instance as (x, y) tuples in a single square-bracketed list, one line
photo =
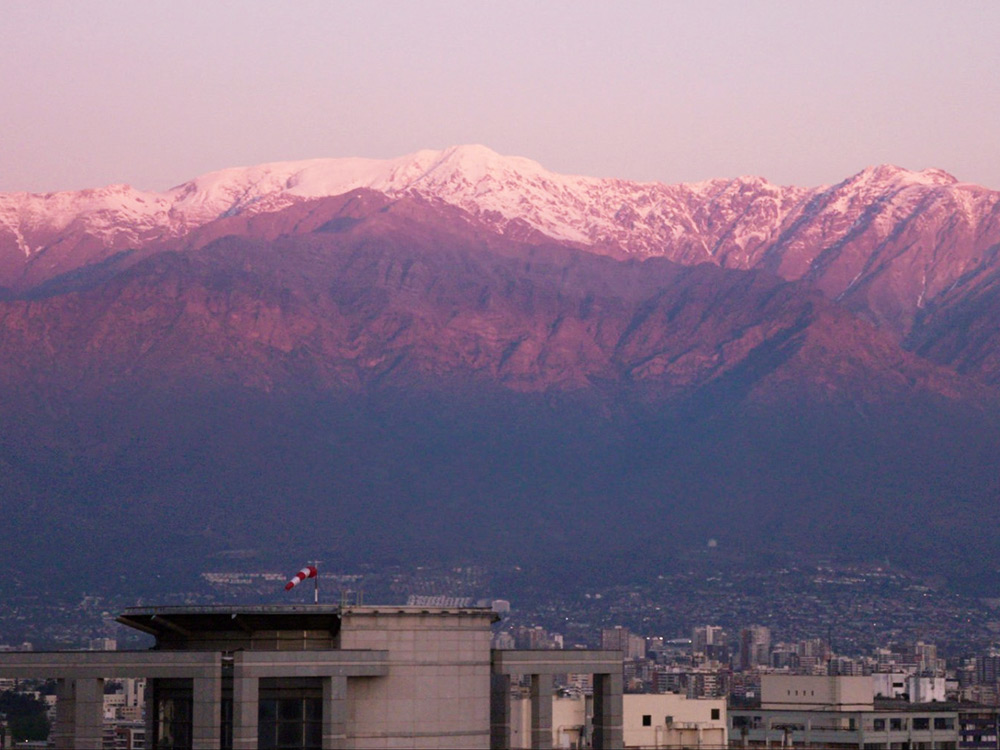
[(476, 162), (889, 174), (736, 223)]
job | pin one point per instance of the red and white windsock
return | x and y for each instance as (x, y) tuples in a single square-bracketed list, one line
[(307, 572)]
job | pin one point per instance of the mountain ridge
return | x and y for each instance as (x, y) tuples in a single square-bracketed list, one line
[(886, 242), (419, 384), (418, 252)]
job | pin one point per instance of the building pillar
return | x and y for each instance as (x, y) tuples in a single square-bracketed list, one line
[(334, 712), (608, 712), (541, 712), (206, 712), (63, 729), (499, 712), (152, 723), (79, 714), (246, 691), (89, 714)]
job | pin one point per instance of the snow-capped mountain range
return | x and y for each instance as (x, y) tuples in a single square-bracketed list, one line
[(457, 345), (888, 243)]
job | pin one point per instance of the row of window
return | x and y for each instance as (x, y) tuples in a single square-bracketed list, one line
[(920, 723), (900, 724), (647, 719), (289, 715)]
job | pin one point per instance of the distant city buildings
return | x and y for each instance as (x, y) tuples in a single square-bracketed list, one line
[(755, 647), (891, 693)]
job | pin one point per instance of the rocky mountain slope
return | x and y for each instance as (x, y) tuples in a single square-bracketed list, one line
[(888, 244), (412, 291), (458, 354)]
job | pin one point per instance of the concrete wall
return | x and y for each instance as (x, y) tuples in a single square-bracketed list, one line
[(691, 724), (568, 716), (824, 729), (805, 692), (437, 691), (889, 684), (926, 689)]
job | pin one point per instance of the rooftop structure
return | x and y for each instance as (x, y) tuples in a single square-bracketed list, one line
[(841, 712), (315, 677)]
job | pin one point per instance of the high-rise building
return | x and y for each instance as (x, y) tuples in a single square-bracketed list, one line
[(636, 647), (707, 635), (926, 656), (755, 647), (988, 669), (615, 639)]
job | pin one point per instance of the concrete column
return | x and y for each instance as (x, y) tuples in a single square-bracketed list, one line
[(608, 711), (152, 723), (64, 727), (541, 712), (206, 712), (88, 714), (334, 712), (246, 691), (499, 712), (79, 714)]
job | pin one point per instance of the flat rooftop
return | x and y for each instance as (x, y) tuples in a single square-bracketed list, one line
[(185, 620)]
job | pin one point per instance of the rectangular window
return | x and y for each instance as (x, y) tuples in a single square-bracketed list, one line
[(290, 714), (715, 714), (895, 725), (921, 724), (878, 725), (173, 712), (944, 722), (647, 720)]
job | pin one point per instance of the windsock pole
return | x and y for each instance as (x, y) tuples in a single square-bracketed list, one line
[(316, 582), (307, 572)]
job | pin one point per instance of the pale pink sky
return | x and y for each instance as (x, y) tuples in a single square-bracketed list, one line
[(152, 93)]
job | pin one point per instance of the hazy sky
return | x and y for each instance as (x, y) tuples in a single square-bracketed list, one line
[(153, 93)]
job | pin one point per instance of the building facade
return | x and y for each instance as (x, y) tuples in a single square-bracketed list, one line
[(842, 712), (648, 721), (316, 677)]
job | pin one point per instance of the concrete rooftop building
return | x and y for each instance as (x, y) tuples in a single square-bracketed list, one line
[(842, 712), (316, 677)]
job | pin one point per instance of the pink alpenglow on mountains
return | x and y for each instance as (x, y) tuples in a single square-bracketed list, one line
[(886, 242), (905, 251), (458, 352)]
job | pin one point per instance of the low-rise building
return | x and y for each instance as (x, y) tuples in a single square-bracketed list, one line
[(648, 721), (842, 712)]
